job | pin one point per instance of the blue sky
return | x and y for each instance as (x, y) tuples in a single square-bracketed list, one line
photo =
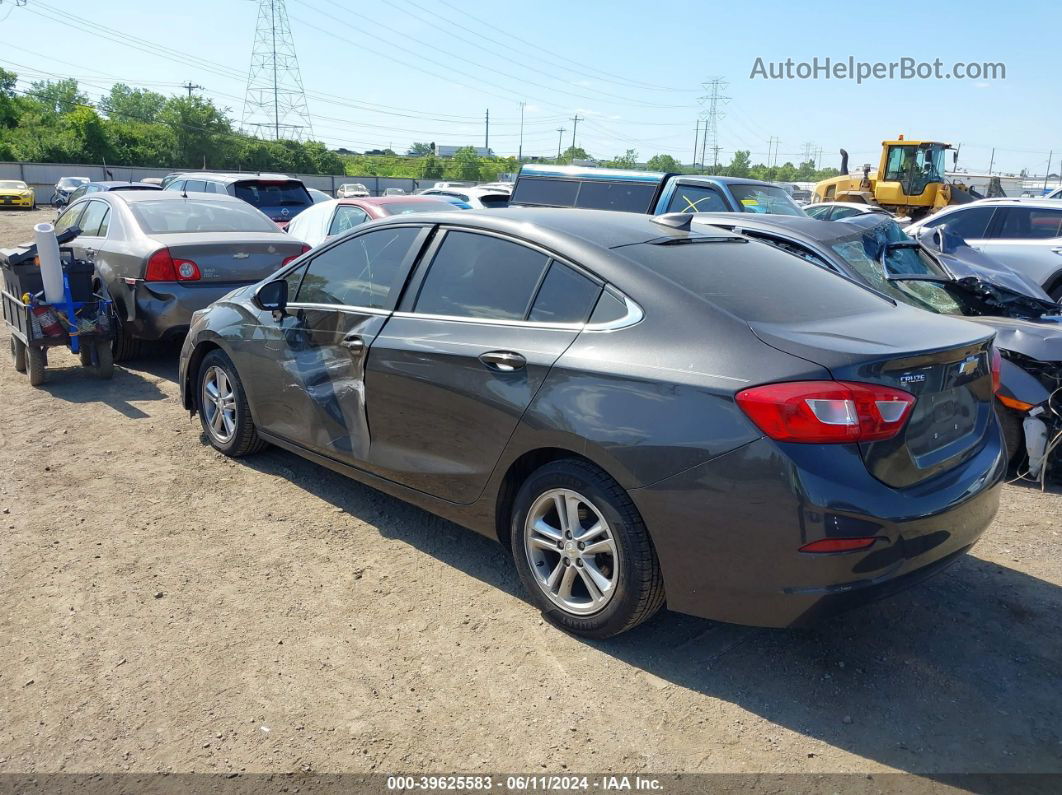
[(389, 72)]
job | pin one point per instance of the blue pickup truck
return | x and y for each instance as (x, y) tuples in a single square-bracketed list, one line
[(646, 191)]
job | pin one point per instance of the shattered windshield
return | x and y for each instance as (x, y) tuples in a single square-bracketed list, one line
[(863, 252)]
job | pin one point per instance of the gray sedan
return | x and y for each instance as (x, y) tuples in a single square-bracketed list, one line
[(162, 255), (633, 407)]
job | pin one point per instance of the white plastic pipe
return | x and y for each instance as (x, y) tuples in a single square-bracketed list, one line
[(51, 266)]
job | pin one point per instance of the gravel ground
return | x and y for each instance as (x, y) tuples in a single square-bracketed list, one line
[(163, 608)]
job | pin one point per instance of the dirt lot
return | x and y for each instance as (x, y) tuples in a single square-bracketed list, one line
[(163, 608)]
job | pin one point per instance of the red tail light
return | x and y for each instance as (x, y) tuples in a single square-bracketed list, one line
[(294, 257), (162, 267), (997, 367), (838, 544), (818, 412)]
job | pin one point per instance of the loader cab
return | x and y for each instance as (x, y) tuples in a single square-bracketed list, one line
[(909, 167)]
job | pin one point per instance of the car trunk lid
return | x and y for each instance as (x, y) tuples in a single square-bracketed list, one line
[(232, 256), (944, 363)]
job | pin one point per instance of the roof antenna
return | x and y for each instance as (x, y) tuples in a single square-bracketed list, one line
[(674, 220)]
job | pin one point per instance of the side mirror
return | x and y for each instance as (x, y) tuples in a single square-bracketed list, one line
[(273, 296)]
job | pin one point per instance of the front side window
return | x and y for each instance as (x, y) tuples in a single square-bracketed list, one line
[(765, 199), (822, 213), (481, 276), (969, 224), (363, 271), (696, 199), (195, 186), (70, 217), (94, 216), (1030, 223), (346, 218)]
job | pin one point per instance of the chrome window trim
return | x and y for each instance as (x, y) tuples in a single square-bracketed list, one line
[(634, 315), (362, 310)]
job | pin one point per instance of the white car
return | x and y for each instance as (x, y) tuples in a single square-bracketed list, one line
[(1055, 194), (1025, 234), (835, 211), (478, 198), (351, 190)]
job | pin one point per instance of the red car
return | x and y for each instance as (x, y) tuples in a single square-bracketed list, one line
[(327, 219)]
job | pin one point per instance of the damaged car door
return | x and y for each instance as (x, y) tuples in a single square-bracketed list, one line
[(309, 374)]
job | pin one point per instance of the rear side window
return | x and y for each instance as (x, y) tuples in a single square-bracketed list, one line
[(273, 194), (346, 217), (564, 297), (968, 224), (95, 215), (632, 197), (696, 199), (363, 271), (545, 192), (1030, 223), (195, 186), (475, 275)]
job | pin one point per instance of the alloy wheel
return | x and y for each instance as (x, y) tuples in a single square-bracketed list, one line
[(219, 404), (572, 551)]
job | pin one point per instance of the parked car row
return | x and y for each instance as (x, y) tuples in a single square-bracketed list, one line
[(753, 416)]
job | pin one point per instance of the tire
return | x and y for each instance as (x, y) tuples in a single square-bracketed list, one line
[(104, 366), (232, 432), (18, 353), (35, 365), (125, 346), (629, 584), (1013, 434), (84, 353)]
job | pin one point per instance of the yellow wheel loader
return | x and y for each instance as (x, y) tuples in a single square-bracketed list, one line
[(909, 180)]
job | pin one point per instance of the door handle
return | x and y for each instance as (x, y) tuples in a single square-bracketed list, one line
[(503, 361), (90, 252), (353, 343)]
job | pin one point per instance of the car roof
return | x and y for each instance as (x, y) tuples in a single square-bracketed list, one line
[(114, 183), (796, 226), (130, 196), (228, 178), (388, 199), (1002, 201)]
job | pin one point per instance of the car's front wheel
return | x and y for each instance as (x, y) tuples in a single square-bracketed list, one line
[(583, 552), (223, 409)]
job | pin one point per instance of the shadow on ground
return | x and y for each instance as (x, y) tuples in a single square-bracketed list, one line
[(960, 674)]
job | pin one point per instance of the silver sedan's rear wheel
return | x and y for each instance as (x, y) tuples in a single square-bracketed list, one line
[(583, 551), (219, 405), (571, 551)]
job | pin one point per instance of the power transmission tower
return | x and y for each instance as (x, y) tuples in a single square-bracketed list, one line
[(275, 103), (560, 140), (713, 114), (772, 143), (575, 126), (190, 87)]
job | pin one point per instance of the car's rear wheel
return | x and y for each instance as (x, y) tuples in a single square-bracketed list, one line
[(583, 552), (1013, 434), (125, 345), (223, 409)]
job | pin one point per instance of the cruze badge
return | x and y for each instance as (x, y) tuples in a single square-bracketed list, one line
[(916, 378)]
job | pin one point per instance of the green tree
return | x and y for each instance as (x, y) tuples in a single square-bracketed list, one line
[(431, 167), (573, 153), (628, 159), (88, 136), (739, 166), (664, 163), (421, 149), (199, 128), (465, 164), (9, 108), (132, 104), (60, 96)]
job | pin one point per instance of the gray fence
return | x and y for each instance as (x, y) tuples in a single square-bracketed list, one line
[(43, 176)]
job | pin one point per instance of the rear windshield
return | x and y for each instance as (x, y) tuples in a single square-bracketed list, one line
[(273, 194), (196, 215), (758, 284), (401, 208), (765, 199)]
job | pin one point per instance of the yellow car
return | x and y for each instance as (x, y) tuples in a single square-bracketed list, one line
[(16, 193)]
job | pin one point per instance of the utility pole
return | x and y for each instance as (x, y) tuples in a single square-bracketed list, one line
[(486, 134), (992, 162), (1047, 174), (696, 141), (190, 87), (575, 125), (520, 151), (560, 140), (716, 100), (704, 143)]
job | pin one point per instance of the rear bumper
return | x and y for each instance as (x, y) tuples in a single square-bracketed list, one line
[(727, 532), (163, 310)]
